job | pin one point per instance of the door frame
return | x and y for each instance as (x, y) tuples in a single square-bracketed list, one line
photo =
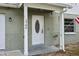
[(43, 23)]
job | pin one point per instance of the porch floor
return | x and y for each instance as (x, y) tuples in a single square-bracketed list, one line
[(41, 49)]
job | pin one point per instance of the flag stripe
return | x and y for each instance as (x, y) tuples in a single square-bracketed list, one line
[(77, 20)]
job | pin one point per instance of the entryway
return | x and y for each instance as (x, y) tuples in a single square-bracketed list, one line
[(40, 32), (37, 29)]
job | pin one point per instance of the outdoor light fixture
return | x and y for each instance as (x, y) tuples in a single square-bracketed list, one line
[(10, 19)]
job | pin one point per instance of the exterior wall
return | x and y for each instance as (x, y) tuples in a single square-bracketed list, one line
[(51, 29), (72, 38), (50, 25), (56, 28), (13, 30)]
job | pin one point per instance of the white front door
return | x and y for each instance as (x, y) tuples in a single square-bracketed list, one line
[(2, 31), (37, 29)]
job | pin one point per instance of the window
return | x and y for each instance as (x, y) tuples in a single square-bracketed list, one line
[(37, 26), (68, 25)]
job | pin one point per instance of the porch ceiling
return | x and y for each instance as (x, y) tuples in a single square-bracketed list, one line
[(39, 10)]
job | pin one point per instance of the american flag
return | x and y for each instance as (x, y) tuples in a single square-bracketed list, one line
[(77, 19)]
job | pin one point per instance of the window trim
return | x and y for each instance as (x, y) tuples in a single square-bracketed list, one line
[(74, 27), (69, 32)]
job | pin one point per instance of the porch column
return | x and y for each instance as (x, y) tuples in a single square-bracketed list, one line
[(25, 29), (62, 31)]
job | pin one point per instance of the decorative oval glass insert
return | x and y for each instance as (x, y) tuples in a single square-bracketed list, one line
[(37, 26)]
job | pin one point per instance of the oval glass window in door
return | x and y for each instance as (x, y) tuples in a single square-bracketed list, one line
[(37, 26)]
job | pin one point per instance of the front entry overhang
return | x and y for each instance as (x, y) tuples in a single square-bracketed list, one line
[(44, 7)]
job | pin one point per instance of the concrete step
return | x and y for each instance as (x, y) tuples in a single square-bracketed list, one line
[(41, 49)]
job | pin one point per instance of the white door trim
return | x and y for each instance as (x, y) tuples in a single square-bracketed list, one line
[(43, 41)]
